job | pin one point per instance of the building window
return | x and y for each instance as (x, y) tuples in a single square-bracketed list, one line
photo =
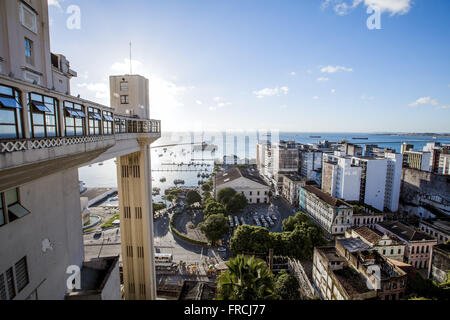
[(124, 86), (29, 51), (108, 122), (10, 283), (74, 119), (42, 116), (124, 100), (10, 114), (95, 121), (28, 18), (21, 269), (11, 209), (14, 280)]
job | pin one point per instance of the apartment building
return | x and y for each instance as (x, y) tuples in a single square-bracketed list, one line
[(264, 160), (310, 163), (420, 160), (291, 189), (365, 215), (375, 181), (388, 246), (352, 270), (245, 181), (333, 215), (46, 136), (419, 245)]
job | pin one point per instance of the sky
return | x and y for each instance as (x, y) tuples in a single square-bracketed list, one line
[(306, 66)]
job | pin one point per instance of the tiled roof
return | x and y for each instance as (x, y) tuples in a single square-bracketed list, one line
[(368, 234), (325, 197), (236, 173), (405, 232)]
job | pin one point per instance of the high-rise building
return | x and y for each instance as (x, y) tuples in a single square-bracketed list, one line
[(372, 180), (48, 135)]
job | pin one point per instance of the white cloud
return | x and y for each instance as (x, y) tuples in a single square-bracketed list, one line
[(199, 102), (343, 7), (100, 89), (322, 79), (217, 99), (316, 98), (269, 92), (364, 97), (443, 107), (124, 67), (219, 104), (333, 91), (283, 106), (54, 3), (293, 73), (424, 100), (333, 69)]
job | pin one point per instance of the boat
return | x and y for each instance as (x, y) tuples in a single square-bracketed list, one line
[(178, 181), (357, 138), (199, 175), (160, 155), (163, 179), (315, 137), (100, 164)]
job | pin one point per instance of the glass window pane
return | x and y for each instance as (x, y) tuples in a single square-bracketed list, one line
[(37, 97), (39, 131), (70, 131), (69, 121), (50, 120), (38, 118), (16, 211), (9, 103), (51, 131), (7, 116), (8, 131), (11, 197), (6, 91)]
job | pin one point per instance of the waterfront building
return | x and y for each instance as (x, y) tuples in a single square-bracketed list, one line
[(243, 180), (47, 135), (419, 245)]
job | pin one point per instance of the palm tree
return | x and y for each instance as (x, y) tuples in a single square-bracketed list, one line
[(247, 278)]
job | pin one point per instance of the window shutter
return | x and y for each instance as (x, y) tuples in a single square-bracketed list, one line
[(2, 287), (21, 274), (10, 283)]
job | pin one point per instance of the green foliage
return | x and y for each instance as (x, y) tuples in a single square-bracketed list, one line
[(247, 278), (215, 227), (158, 206), (213, 207), (287, 286), (109, 223), (298, 243), (207, 187), (423, 289), (183, 236), (192, 197), (224, 195), (173, 194), (236, 203)]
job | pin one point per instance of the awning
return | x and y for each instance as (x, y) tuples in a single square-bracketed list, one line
[(18, 211), (95, 116), (72, 113), (40, 106), (81, 113), (9, 103), (108, 118)]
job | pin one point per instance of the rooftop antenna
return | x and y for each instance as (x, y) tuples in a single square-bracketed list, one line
[(131, 66)]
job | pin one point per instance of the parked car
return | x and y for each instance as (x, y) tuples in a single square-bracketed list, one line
[(274, 217), (222, 249)]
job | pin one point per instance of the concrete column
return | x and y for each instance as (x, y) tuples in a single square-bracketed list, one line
[(24, 111), (61, 115), (136, 224)]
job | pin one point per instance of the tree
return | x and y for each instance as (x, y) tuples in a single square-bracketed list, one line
[(158, 206), (192, 197), (290, 223), (207, 195), (287, 286), (236, 203), (224, 195), (247, 278), (250, 239), (213, 207), (215, 227), (207, 186)]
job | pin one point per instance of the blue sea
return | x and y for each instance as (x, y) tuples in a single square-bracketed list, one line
[(174, 148)]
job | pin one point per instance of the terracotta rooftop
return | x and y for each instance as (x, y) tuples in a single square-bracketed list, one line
[(326, 197), (404, 231), (372, 236)]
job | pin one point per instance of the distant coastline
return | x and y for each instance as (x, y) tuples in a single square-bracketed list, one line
[(427, 134)]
